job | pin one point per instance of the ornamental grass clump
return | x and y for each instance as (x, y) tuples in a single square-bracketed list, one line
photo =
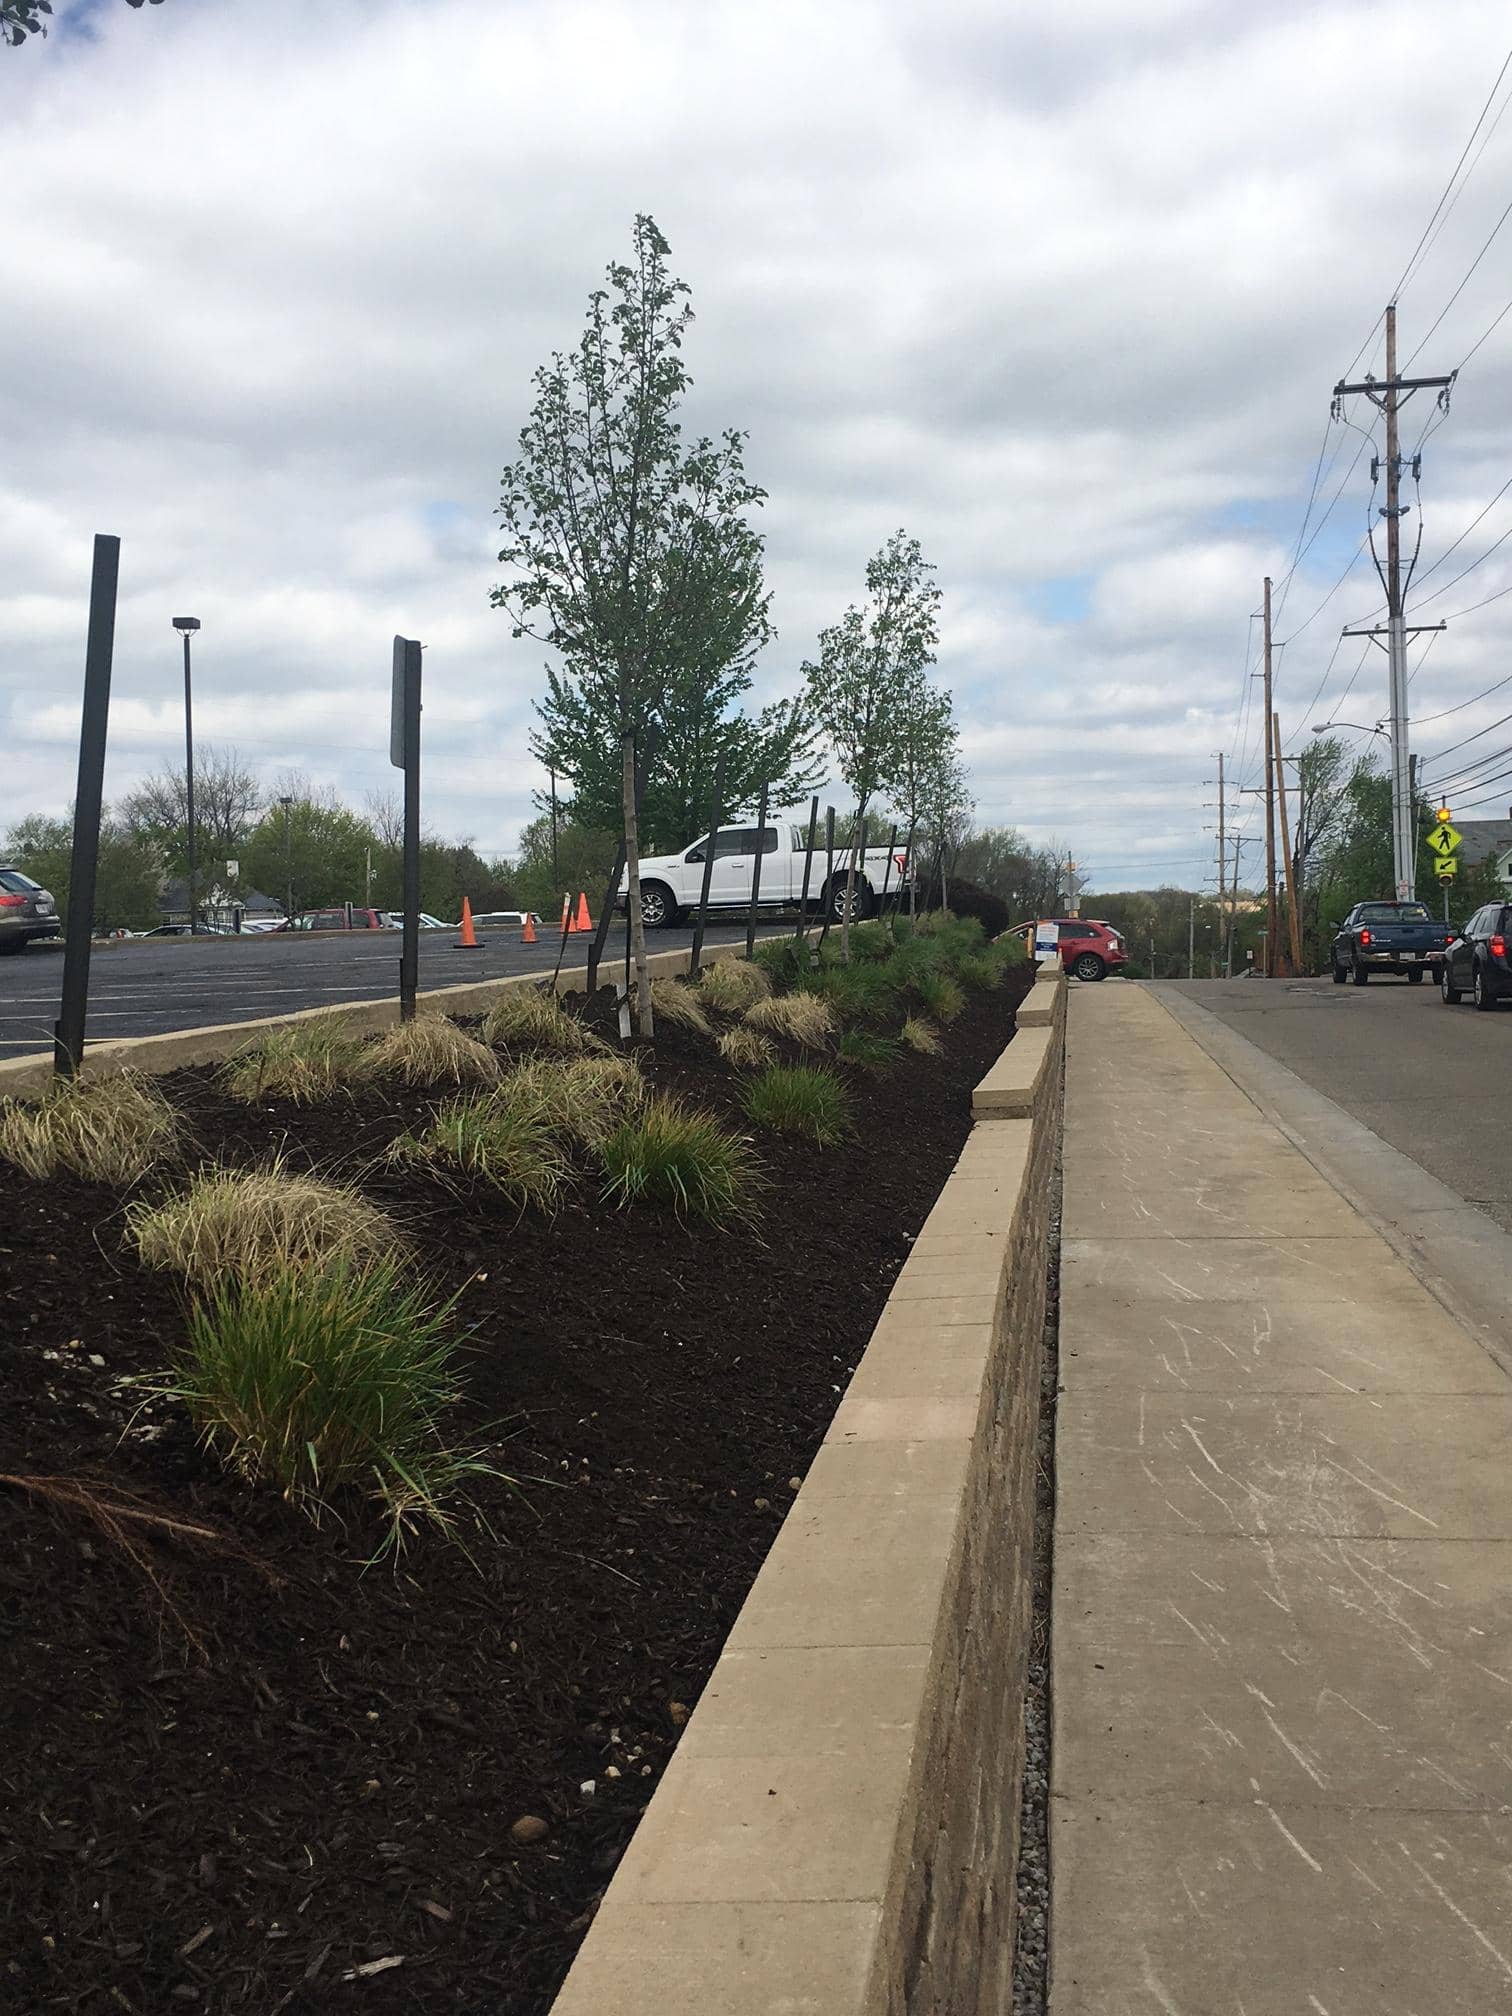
[(731, 985), (678, 1157), (746, 1049), (782, 960), (939, 995), (530, 1018), (804, 1019), (303, 1062), (430, 1050), (677, 1007), (866, 1050), (252, 1223), (580, 1100), (106, 1130), (321, 1382), (502, 1142), (870, 939), (921, 1036), (800, 1099), (856, 993)]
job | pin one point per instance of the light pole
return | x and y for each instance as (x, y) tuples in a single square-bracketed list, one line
[(287, 804), (186, 627)]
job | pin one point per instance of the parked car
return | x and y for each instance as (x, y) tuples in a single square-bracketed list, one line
[(1476, 962), (500, 920), (27, 911), (673, 883), (1387, 938), (183, 931), (1089, 948), (340, 917), (393, 920)]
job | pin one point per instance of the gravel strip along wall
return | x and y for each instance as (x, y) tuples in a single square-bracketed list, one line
[(838, 1831), (170, 1052)]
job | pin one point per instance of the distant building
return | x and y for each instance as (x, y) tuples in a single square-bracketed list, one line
[(218, 901), (1487, 840)]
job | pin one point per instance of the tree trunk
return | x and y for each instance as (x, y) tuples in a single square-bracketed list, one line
[(857, 833), (643, 1018)]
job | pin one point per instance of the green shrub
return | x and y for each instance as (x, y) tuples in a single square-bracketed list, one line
[(782, 960), (730, 985), (856, 993), (532, 1017), (800, 1099), (432, 1051), (107, 1130), (921, 1036), (868, 1051), (253, 1223), (304, 1062), (979, 969), (678, 1007), (870, 939), (321, 1381), (676, 1156), (939, 995), (496, 1140), (1011, 951)]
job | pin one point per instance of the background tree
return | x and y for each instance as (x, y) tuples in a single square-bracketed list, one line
[(626, 552), (226, 800), (867, 663), (20, 18), (128, 874), (927, 734), (584, 858), (326, 854), (946, 812)]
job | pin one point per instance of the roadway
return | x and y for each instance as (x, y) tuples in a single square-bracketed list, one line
[(1434, 1082), (144, 987)]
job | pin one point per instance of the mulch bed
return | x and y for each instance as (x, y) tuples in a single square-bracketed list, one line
[(238, 1774)]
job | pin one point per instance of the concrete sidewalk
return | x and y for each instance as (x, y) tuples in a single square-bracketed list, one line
[(1282, 1772)]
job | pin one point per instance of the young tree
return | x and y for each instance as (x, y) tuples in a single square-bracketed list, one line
[(867, 664), (927, 734), (627, 552), (946, 808), (315, 847)]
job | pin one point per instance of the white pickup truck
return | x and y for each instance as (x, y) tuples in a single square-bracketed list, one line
[(672, 883)]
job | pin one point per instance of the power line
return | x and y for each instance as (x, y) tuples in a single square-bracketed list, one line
[(1469, 528), (1421, 245), (1423, 600), (1495, 229), (1423, 719)]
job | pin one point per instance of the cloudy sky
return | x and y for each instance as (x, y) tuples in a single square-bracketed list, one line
[(1063, 290)]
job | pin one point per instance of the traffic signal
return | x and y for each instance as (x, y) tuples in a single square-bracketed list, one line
[(1442, 815)]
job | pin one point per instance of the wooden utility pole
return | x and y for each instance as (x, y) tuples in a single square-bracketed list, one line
[(1292, 914), (1390, 397), (1222, 860), (1270, 804)]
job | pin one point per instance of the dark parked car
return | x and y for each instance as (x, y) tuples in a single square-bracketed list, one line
[(1387, 938), (27, 911), (1477, 962), (340, 917)]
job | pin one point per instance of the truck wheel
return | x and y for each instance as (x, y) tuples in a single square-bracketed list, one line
[(658, 911), (1338, 972), (1481, 994), (1415, 975), (1359, 974), (1088, 966), (1447, 989), (835, 897)]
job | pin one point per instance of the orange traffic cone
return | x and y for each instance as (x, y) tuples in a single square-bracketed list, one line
[(468, 942), (527, 936), (584, 921)]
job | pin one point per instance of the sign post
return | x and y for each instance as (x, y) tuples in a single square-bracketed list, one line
[(404, 754), (99, 651)]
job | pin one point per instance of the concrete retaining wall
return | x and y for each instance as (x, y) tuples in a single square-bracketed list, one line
[(838, 1830), (170, 1052)]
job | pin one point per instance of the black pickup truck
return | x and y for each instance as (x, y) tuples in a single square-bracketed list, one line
[(1387, 938)]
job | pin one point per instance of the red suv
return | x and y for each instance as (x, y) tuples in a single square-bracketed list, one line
[(1089, 949)]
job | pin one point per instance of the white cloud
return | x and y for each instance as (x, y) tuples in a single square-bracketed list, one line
[(1064, 291)]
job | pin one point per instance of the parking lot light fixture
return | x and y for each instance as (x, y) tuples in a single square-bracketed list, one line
[(186, 626)]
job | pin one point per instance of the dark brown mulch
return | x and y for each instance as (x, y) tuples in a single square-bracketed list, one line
[(329, 1781)]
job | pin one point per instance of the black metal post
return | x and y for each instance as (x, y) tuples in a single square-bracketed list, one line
[(556, 872), (808, 868), (409, 949), (716, 812), (68, 1032), (288, 864), (829, 872), (189, 793), (761, 812), (892, 846)]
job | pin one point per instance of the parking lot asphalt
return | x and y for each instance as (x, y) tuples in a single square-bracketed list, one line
[(1434, 1081), (145, 987)]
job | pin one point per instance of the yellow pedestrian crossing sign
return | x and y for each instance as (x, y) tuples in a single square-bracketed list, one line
[(1443, 840)]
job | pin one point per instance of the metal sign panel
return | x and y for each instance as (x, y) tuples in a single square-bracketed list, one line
[(1444, 841), (396, 708)]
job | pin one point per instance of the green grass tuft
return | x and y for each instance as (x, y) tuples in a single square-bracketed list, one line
[(106, 1130), (321, 1382), (252, 1223), (681, 1158), (303, 1062), (800, 1099), (504, 1143), (531, 1018), (939, 995), (793, 1018), (856, 993), (921, 1036), (730, 985), (782, 960), (870, 939), (432, 1051), (578, 1099), (865, 1049)]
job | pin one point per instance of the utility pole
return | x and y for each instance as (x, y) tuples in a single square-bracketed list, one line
[(1293, 916), (1192, 940), (1390, 397), (1270, 804), (1222, 861)]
